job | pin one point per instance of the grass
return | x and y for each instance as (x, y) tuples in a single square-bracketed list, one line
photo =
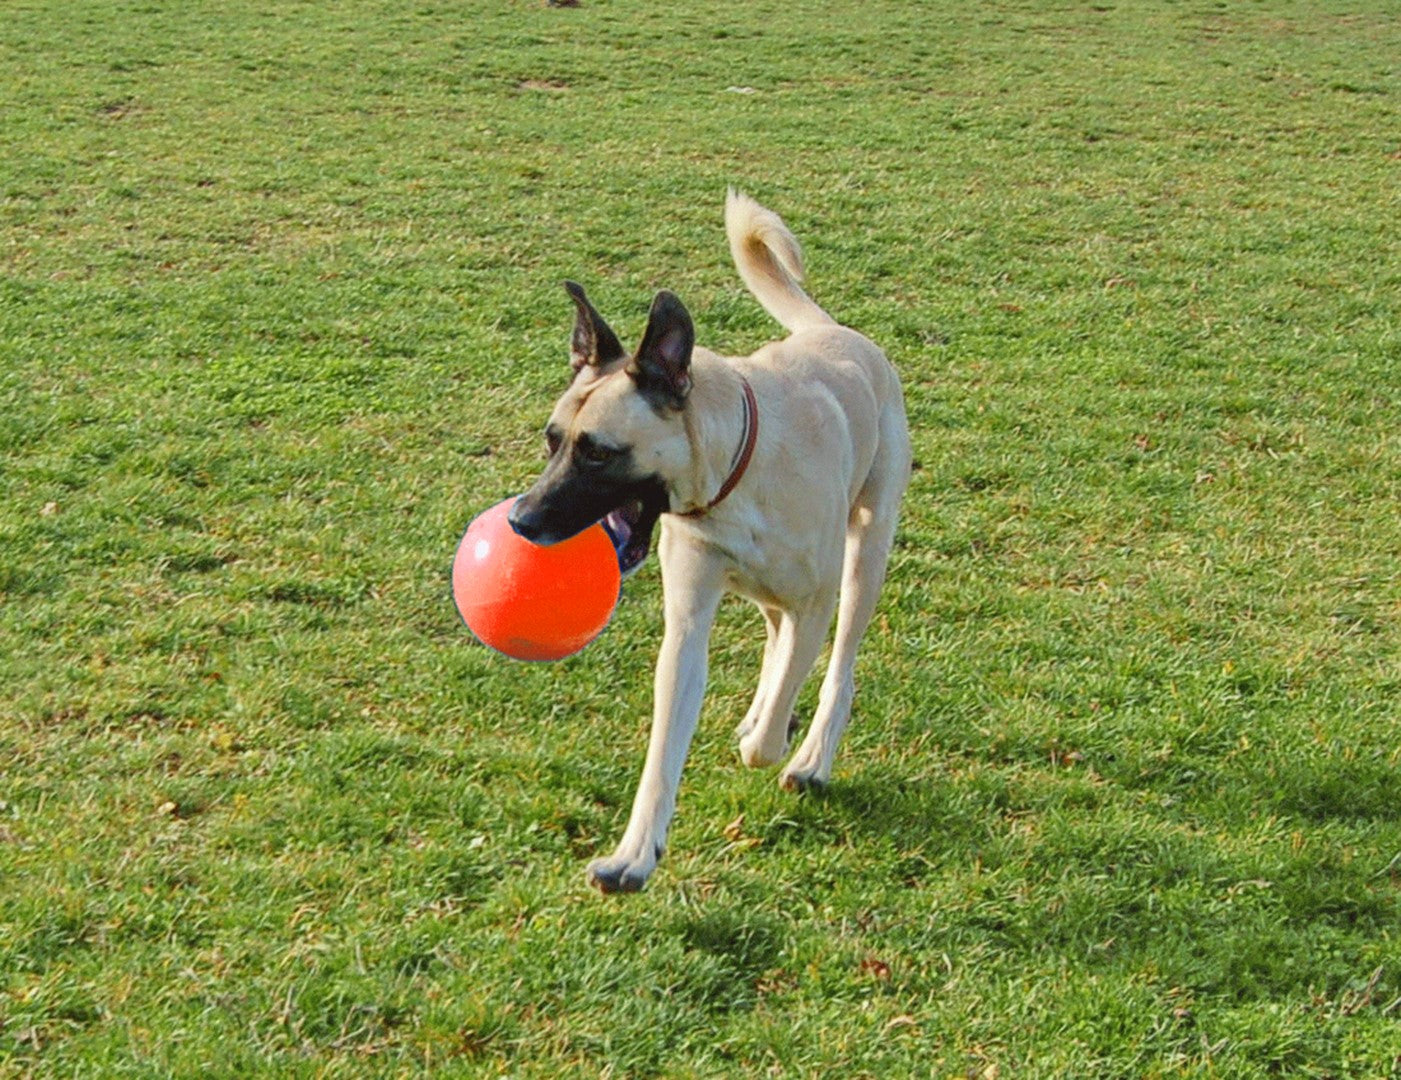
[(280, 311)]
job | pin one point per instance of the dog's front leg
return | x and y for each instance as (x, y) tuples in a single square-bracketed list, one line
[(691, 598)]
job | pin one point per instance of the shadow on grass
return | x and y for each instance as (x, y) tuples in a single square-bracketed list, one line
[(1342, 791), (938, 818)]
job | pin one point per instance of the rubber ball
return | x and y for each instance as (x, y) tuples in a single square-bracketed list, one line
[(531, 602)]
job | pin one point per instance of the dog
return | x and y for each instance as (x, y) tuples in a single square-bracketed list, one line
[(777, 476)]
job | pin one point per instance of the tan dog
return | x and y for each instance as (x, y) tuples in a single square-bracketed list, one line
[(777, 476)]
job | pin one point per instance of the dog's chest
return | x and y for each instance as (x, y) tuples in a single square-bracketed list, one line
[(761, 559)]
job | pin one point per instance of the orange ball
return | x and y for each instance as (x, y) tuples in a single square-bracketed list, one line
[(532, 602)]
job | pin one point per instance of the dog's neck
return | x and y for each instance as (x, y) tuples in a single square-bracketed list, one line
[(723, 429)]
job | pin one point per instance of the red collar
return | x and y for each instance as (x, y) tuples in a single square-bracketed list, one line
[(742, 455)]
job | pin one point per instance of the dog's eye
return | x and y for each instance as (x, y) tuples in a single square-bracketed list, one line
[(594, 453), (553, 439)]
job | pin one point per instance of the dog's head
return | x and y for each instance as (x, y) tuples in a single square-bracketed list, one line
[(617, 438)]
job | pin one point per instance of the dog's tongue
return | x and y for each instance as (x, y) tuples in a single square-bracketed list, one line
[(618, 525), (630, 529)]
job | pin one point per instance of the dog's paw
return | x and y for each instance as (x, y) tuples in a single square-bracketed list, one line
[(619, 874), (752, 749), (756, 755), (798, 779)]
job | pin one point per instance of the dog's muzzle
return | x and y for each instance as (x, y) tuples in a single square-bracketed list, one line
[(629, 525)]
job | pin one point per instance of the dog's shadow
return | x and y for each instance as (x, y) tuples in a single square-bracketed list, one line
[(925, 817)]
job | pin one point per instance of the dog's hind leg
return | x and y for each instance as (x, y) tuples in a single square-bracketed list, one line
[(800, 637), (772, 619), (867, 550), (870, 534)]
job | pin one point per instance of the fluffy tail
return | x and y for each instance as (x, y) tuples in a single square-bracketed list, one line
[(770, 263)]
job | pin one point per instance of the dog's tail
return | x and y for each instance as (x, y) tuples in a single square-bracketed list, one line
[(770, 262)]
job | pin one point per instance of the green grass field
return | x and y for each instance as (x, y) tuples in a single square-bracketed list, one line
[(280, 311)]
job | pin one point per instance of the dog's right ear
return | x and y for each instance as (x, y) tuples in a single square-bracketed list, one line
[(594, 343)]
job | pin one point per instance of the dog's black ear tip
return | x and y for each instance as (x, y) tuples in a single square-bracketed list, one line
[(574, 289), (666, 302)]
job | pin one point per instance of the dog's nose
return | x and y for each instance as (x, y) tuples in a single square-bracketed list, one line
[(521, 521)]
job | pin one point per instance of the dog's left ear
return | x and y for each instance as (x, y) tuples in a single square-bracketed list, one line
[(662, 366)]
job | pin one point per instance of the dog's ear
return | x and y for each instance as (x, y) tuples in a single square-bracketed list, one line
[(594, 342), (662, 366)]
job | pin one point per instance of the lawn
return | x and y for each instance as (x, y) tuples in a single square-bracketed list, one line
[(280, 311)]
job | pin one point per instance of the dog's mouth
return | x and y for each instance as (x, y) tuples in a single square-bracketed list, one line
[(630, 527), (557, 508)]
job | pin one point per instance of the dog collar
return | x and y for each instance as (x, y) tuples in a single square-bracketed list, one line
[(742, 455)]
